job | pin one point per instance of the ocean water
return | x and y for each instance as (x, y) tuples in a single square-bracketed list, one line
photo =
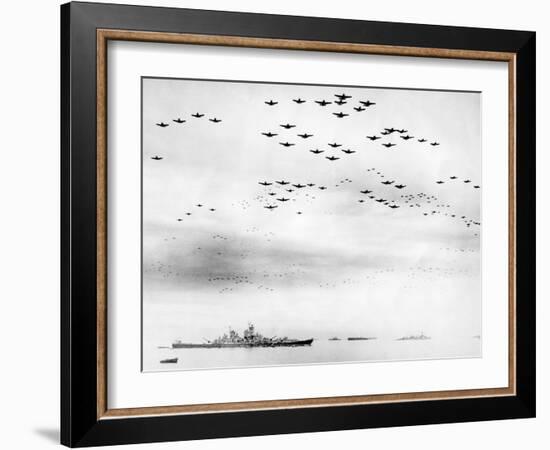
[(321, 351)]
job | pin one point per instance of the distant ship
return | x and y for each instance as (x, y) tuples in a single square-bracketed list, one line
[(360, 338), (250, 338), (335, 339), (417, 337)]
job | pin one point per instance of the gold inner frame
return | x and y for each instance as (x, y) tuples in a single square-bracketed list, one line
[(104, 35)]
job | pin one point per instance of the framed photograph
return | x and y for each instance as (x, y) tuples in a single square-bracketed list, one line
[(276, 224)]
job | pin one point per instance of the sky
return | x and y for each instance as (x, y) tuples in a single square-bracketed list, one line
[(325, 262)]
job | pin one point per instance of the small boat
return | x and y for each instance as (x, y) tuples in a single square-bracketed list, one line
[(169, 361), (360, 338)]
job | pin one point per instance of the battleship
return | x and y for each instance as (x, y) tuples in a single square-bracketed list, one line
[(416, 337), (250, 338)]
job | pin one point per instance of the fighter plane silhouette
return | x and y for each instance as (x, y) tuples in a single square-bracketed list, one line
[(197, 115), (162, 124), (271, 103), (331, 158), (340, 114), (269, 134)]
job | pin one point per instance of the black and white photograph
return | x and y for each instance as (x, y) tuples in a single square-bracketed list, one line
[(292, 224)]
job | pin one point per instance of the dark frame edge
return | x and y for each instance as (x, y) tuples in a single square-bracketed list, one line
[(65, 187)]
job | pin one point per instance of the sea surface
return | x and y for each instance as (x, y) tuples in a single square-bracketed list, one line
[(321, 351)]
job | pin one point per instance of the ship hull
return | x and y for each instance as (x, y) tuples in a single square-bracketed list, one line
[(297, 343)]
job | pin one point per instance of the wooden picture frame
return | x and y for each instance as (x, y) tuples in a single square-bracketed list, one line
[(86, 418)]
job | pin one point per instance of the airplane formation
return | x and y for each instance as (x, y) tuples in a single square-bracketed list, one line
[(274, 198)]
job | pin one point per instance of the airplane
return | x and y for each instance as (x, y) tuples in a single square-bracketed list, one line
[(305, 135), (385, 133), (187, 213), (434, 143), (467, 181), (422, 140), (282, 182), (298, 100), (372, 196), (476, 187), (440, 182), (286, 144), (407, 137), (348, 151), (215, 120), (393, 206), (335, 145), (283, 199), (299, 186), (270, 207), (322, 188), (298, 212), (156, 158), (311, 184), (290, 190), (366, 191), (316, 151), (361, 201), (367, 103), (199, 205), (381, 200), (265, 183), (331, 158), (389, 145), (269, 134), (387, 182), (342, 96), (271, 193), (179, 220), (340, 114), (391, 130), (197, 115), (322, 102), (400, 186), (271, 103), (373, 138), (212, 209), (359, 109), (453, 177), (162, 124), (402, 131), (178, 120), (340, 102), (288, 126)]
